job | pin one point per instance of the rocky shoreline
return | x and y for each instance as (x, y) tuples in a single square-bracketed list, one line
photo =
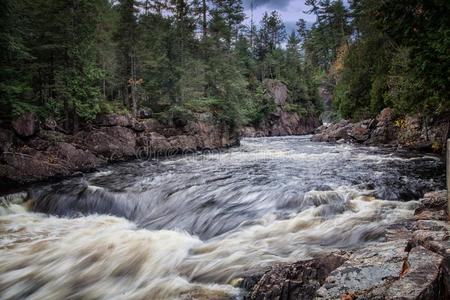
[(386, 129), (32, 152), (412, 261)]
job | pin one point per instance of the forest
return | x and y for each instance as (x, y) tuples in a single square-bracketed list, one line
[(71, 60)]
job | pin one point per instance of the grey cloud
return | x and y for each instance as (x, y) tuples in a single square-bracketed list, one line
[(274, 4)]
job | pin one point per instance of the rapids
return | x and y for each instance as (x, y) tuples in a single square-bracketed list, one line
[(185, 227)]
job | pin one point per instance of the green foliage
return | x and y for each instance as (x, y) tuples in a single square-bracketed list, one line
[(73, 59), (399, 58), (256, 106)]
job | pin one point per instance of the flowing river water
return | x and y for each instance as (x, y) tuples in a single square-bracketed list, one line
[(185, 227)]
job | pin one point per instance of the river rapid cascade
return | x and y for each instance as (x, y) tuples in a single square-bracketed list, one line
[(189, 226)]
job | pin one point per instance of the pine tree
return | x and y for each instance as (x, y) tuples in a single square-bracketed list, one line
[(127, 38)]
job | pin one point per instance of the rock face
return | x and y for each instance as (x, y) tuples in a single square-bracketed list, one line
[(295, 281), (413, 262), (282, 121), (26, 125), (47, 154), (412, 132)]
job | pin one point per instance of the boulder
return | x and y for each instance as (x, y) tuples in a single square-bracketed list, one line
[(299, 280), (183, 143), (75, 159), (367, 269), (360, 131), (113, 143), (334, 132), (113, 120), (391, 270), (26, 125), (433, 201), (32, 166), (419, 278), (433, 206)]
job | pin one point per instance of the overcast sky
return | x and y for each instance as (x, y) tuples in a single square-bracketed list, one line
[(290, 11)]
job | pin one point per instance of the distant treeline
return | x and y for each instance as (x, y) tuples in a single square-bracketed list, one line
[(71, 59)]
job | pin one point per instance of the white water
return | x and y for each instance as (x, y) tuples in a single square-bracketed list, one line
[(105, 257)]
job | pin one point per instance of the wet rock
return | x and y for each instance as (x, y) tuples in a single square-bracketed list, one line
[(212, 137), (433, 201), (31, 166), (154, 141), (250, 132), (361, 131), (183, 143), (432, 215), (26, 125), (334, 132), (294, 281)]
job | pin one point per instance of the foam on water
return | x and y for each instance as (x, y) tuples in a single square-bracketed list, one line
[(185, 228)]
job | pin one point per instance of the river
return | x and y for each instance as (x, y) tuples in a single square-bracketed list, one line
[(186, 227)]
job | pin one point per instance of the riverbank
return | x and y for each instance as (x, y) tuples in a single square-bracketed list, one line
[(412, 261), (32, 152), (412, 132)]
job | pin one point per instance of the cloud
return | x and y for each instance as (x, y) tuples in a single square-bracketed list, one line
[(272, 4)]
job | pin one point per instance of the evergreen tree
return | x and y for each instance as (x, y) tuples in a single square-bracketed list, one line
[(126, 39)]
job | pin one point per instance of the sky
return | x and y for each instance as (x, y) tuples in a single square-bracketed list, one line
[(290, 11)]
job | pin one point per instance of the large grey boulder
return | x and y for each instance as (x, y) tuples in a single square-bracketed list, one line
[(389, 270), (295, 281)]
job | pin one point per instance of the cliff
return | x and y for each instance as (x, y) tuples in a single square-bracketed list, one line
[(282, 121)]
